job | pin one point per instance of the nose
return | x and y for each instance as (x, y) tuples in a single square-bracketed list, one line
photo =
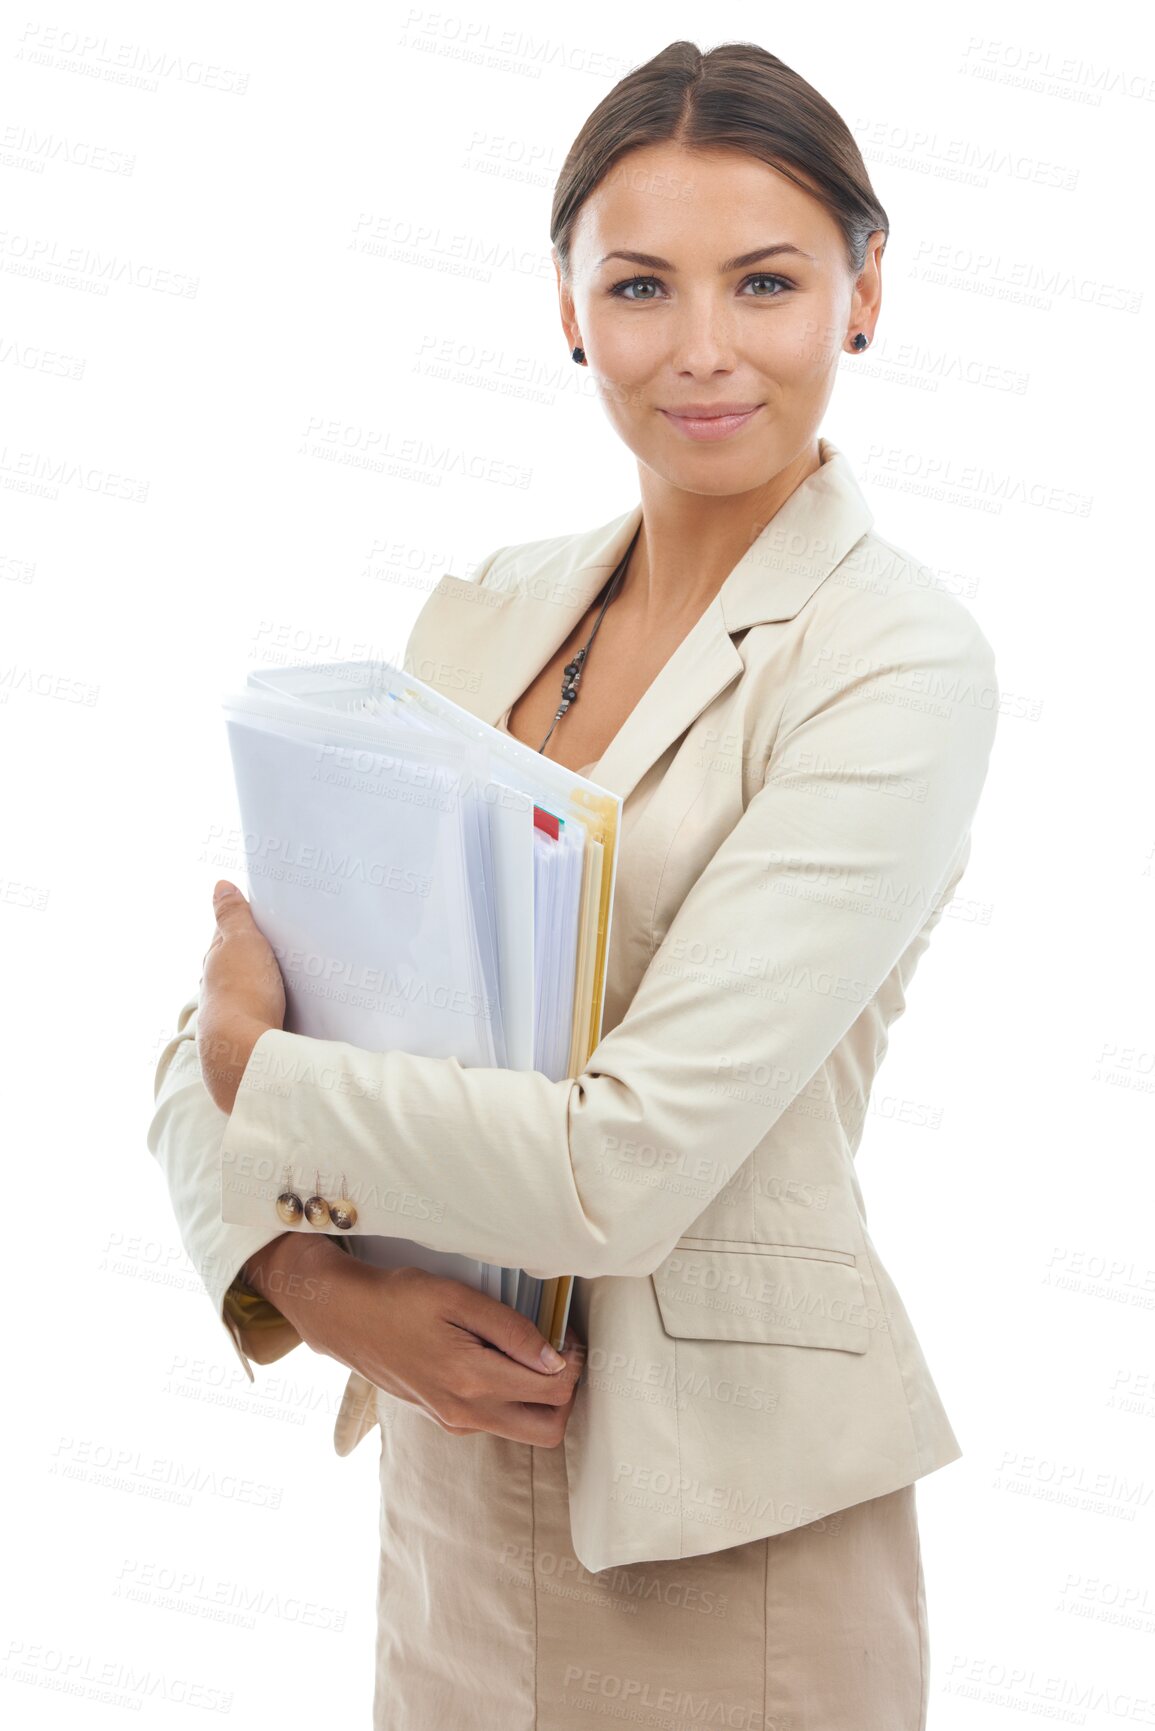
[(703, 335)]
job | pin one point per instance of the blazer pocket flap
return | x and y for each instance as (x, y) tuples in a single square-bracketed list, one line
[(780, 1295)]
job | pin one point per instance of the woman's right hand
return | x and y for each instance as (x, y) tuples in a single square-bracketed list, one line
[(466, 1360)]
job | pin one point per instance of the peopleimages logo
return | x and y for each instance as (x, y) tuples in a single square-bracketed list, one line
[(750, 1505)]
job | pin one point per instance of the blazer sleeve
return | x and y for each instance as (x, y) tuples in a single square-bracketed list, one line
[(184, 1136), (801, 913)]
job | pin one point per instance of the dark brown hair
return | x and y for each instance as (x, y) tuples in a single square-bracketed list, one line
[(734, 97)]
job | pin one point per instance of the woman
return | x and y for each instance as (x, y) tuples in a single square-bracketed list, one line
[(800, 731)]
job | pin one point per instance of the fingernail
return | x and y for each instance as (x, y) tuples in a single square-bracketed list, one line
[(551, 1359), (224, 889)]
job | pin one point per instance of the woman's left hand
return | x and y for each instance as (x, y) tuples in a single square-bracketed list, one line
[(242, 995)]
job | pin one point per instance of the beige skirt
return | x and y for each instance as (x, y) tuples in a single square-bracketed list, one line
[(486, 1618)]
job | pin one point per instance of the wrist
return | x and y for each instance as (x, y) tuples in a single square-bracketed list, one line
[(296, 1273)]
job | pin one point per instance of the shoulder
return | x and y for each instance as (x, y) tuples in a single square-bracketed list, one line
[(545, 569), (883, 600), (883, 637)]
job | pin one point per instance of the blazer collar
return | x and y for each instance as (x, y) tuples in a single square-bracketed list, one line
[(484, 644)]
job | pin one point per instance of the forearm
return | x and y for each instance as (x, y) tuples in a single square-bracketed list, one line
[(225, 1041)]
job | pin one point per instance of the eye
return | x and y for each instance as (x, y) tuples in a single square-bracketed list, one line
[(762, 276), (619, 288)]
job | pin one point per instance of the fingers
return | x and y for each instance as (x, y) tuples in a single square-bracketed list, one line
[(508, 1380), (482, 1387), (510, 1332), (518, 1421), (491, 1379), (541, 1427), (449, 1351)]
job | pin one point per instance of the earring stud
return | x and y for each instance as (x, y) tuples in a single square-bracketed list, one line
[(860, 342), (579, 355)]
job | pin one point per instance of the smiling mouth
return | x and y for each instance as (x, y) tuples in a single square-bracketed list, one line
[(711, 425)]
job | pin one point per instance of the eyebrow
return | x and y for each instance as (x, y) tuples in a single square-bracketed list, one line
[(651, 259)]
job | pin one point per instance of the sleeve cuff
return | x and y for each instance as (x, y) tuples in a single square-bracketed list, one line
[(258, 1328)]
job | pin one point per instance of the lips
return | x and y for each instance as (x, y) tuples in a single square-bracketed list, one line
[(709, 411), (716, 421)]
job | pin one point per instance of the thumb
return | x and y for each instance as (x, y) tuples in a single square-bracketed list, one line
[(227, 901), (510, 1332)]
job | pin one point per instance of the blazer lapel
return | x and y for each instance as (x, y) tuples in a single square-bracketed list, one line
[(483, 644)]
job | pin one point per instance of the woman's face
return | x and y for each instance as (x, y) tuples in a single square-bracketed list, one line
[(680, 324)]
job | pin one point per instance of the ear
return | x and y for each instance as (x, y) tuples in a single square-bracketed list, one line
[(866, 300), (565, 304)]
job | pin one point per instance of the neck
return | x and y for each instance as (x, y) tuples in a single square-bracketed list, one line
[(690, 542)]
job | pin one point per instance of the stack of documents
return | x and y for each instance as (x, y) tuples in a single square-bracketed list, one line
[(429, 884)]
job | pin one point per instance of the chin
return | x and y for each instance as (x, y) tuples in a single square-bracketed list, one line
[(712, 475)]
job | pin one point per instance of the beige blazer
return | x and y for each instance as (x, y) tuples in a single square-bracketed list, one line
[(799, 782)]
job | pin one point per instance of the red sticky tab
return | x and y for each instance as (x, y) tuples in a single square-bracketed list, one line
[(545, 820)]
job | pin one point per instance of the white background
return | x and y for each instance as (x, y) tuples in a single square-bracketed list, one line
[(1007, 1160)]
